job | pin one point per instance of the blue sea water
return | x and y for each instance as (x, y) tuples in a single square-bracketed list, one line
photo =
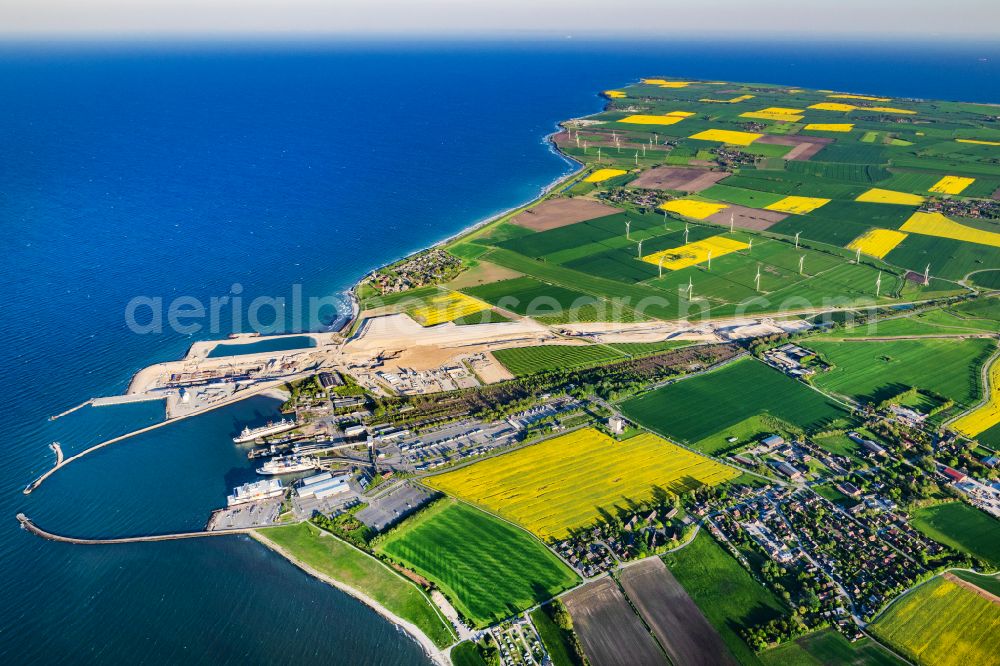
[(163, 171)]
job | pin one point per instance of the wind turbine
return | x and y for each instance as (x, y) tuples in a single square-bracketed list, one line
[(584, 144), (732, 217), (577, 139), (927, 275), (598, 153), (749, 245), (643, 150), (686, 233), (664, 219), (878, 284), (756, 280), (709, 260), (628, 229), (637, 157), (690, 289), (797, 239), (640, 249), (660, 264), (801, 260), (857, 259)]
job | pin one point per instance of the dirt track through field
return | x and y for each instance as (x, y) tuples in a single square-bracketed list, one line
[(989, 596), (675, 619), (611, 632)]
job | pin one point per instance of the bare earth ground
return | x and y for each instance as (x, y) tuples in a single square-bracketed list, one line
[(676, 621), (748, 218), (493, 370), (985, 594), (805, 146), (996, 194), (555, 213), (678, 178), (610, 631), (482, 273)]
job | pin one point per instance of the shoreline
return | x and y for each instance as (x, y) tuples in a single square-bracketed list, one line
[(436, 655), (575, 167)]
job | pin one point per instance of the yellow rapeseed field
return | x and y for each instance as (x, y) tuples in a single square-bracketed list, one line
[(642, 119), (727, 136), (987, 415), (798, 205), (446, 307), (979, 142), (936, 224), (697, 210), (614, 94), (942, 623), (734, 100), (830, 127), (951, 185), (663, 83), (695, 253), (877, 242), (775, 113), (876, 195), (603, 174), (563, 484), (887, 109), (867, 97), (833, 106)]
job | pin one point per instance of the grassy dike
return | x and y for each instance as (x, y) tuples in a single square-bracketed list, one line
[(328, 555)]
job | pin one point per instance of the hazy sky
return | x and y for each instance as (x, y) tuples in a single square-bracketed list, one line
[(662, 18)]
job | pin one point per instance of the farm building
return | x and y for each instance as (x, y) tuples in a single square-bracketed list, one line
[(789, 471), (773, 441)]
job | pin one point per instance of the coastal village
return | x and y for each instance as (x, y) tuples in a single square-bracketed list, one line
[(551, 424)]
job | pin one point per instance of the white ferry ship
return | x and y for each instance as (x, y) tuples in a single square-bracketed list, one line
[(256, 491), (288, 465), (250, 434)]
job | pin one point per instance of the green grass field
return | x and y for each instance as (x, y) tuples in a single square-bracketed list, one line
[(693, 409), (874, 371), (827, 647), (941, 624), (962, 527), (543, 358), (555, 639), (746, 432), (466, 654), (989, 583), (728, 596), (330, 556), (489, 569)]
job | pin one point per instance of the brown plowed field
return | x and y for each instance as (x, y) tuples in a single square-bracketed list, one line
[(678, 178), (676, 621), (747, 218), (804, 146), (555, 213), (611, 633)]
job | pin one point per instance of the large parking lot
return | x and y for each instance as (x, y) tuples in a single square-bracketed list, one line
[(394, 505)]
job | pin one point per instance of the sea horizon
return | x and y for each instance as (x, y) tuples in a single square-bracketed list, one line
[(182, 172)]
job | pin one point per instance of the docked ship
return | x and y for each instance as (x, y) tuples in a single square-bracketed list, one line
[(256, 491), (250, 434), (288, 465)]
